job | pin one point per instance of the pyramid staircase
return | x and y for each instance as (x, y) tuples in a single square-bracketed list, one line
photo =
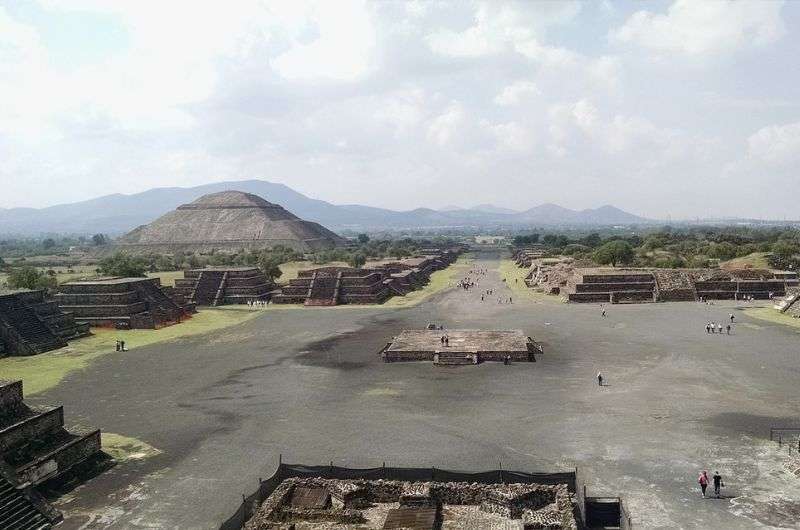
[(19, 511), (324, 290), (20, 325)]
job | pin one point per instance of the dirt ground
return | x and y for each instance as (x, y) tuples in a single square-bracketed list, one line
[(218, 409)]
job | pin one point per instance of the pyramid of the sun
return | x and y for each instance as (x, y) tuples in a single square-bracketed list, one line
[(228, 221)]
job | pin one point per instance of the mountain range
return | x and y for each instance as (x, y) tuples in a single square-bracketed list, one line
[(116, 214)]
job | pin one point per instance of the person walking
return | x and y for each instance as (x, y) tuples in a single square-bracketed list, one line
[(719, 328), (717, 483), (703, 481), (731, 317), (708, 327), (599, 379), (728, 328)]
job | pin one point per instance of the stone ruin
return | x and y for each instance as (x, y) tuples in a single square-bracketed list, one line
[(463, 346), (789, 304), (310, 503), (525, 257), (123, 303), (215, 286), (35, 448), (373, 284), (328, 286), (628, 285), (30, 324)]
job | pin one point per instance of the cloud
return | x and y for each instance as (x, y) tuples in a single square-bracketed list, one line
[(500, 27), (705, 27), (776, 144), (515, 92)]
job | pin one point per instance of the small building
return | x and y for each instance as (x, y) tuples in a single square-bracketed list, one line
[(213, 286), (30, 324), (461, 346), (123, 303)]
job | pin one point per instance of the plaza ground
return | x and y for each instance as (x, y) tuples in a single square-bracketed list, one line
[(215, 410)]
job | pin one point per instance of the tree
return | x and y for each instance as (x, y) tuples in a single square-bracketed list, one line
[(49, 243), (363, 239), (614, 252), (357, 260), (270, 266), (125, 265), (99, 239), (30, 278)]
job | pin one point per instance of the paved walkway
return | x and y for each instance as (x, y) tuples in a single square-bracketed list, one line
[(309, 384)]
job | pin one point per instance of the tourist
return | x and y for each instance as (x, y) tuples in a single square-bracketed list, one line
[(481, 298), (122, 345), (713, 327), (603, 313), (442, 339), (728, 328), (719, 328), (117, 345), (731, 317), (599, 379), (717, 483), (703, 481)]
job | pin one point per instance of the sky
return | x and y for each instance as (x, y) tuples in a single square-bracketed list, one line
[(678, 109)]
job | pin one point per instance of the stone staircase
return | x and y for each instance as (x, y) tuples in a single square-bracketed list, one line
[(17, 511), (31, 333), (206, 289), (220, 295), (324, 290), (453, 358)]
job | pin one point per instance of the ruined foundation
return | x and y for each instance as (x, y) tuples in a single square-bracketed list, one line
[(463, 346)]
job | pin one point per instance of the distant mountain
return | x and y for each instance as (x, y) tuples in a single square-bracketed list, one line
[(116, 214), (491, 208)]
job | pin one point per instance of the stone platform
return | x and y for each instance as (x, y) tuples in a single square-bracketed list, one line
[(35, 447), (213, 286), (464, 346), (126, 303), (417, 505)]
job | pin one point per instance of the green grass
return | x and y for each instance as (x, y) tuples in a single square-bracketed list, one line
[(44, 371), (167, 277), (439, 281), (291, 269), (515, 280), (756, 260), (124, 448), (773, 315)]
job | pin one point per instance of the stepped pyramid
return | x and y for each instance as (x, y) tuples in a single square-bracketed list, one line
[(228, 221)]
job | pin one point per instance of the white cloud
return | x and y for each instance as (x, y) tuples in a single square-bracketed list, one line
[(776, 144), (704, 27), (516, 92), (500, 27), (447, 126), (513, 137)]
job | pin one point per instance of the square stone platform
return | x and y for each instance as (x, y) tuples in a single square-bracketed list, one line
[(469, 346)]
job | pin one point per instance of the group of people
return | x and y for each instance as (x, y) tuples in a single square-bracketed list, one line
[(121, 345), (713, 327), (257, 304), (445, 340), (703, 481)]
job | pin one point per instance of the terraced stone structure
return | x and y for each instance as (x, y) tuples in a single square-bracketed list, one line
[(34, 448), (463, 346), (123, 303), (676, 285), (215, 286), (391, 504), (30, 324), (373, 284), (228, 221), (328, 286), (613, 286)]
